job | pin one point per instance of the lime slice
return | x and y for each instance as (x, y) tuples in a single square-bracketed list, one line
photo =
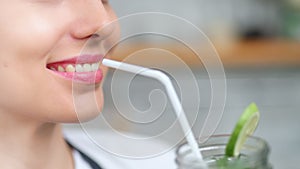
[(244, 127)]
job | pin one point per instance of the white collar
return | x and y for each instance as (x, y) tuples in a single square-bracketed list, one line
[(79, 162)]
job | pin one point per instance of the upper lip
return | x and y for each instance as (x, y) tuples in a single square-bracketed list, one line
[(86, 58)]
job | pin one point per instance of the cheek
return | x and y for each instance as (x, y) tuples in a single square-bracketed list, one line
[(30, 42), (32, 32), (21, 95), (26, 87)]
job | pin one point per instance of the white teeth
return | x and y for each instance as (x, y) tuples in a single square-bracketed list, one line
[(87, 67), (70, 68), (60, 69), (95, 66), (79, 68)]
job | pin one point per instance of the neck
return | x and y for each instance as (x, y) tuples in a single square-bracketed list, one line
[(26, 144)]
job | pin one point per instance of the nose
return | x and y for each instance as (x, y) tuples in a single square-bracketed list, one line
[(93, 19)]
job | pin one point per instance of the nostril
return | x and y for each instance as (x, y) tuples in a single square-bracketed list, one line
[(94, 36), (86, 31), (92, 23)]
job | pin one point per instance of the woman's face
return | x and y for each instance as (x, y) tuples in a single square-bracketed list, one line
[(48, 69)]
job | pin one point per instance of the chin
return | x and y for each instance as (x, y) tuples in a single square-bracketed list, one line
[(83, 107), (88, 106), (78, 116), (87, 114)]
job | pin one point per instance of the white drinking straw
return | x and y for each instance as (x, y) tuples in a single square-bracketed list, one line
[(165, 80)]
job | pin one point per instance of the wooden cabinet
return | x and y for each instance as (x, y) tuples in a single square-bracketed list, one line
[(266, 52)]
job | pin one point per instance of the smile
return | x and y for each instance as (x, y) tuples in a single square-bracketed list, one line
[(83, 69), (86, 67)]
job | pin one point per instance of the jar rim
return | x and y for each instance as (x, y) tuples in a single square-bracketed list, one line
[(258, 147)]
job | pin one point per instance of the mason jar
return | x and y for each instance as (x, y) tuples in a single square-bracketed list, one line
[(253, 155)]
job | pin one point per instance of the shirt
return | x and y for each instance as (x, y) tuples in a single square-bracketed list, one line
[(107, 160)]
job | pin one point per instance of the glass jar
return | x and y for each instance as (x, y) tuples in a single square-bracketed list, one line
[(253, 155)]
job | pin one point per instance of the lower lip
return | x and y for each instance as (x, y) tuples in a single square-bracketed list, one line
[(82, 77)]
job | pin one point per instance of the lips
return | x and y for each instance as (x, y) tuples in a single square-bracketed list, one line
[(81, 69)]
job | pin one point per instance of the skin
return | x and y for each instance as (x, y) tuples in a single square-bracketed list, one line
[(34, 100)]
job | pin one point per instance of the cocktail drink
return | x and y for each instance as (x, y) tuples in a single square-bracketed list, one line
[(253, 155)]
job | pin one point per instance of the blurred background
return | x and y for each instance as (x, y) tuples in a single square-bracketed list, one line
[(258, 42)]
